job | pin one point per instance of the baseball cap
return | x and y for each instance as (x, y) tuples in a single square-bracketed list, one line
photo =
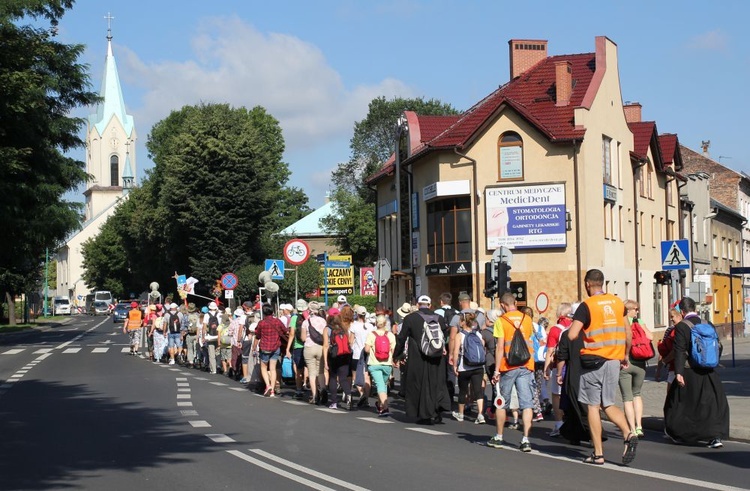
[(464, 297), (361, 310), (424, 299), (333, 311), (172, 306), (341, 299), (238, 312), (133, 305)]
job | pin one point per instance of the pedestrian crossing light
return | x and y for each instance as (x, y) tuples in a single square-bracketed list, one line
[(503, 278), (662, 277)]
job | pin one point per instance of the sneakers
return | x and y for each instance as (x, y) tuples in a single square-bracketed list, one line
[(272, 394), (495, 442), (479, 420), (244, 380), (525, 447), (639, 432), (555, 432), (333, 406), (513, 425), (715, 443), (171, 362), (538, 417), (268, 392), (363, 402), (457, 416)]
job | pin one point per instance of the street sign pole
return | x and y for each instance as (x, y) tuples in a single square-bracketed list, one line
[(325, 276)]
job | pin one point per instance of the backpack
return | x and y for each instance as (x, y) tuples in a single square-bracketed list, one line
[(212, 325), (641, 348), (432, 343), (339, 345), (518, 354), (174, 324), (540, 352), (382, 347), (705, 348), (296, 323), (192, 324), (158, 323), (473, 349), (315, 335), (448, 314)]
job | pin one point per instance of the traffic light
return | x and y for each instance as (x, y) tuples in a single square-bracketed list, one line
[(503, 278), (662, 277), (490, 280)]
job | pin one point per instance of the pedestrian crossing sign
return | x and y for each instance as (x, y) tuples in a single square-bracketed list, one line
[(276, 268), (675, 254)]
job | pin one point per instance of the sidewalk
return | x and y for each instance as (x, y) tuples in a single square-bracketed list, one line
[(736, 385)]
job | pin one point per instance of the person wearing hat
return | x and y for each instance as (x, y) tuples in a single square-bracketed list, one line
[(173, 332), (132, 327), (341, 300), (191, 334), (295, 347), (158, 335), (311, 336), (425, 387), (360, 330), (211, 321)]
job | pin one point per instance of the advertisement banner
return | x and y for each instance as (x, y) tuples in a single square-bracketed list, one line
[(367, 284), (340, 280), (525, 216)]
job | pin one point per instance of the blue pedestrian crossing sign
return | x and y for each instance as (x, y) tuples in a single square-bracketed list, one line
[(276, 268), (675, 254)]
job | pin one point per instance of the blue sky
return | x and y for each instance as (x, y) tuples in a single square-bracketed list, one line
[(315, 66)]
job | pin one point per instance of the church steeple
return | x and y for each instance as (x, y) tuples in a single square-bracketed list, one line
[(128, 178)]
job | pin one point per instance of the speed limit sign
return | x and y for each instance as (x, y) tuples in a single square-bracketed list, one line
[(296, 252)]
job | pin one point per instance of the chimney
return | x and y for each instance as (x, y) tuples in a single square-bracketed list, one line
[(704, 145), (524, 54), (563, 82), (632, 112)]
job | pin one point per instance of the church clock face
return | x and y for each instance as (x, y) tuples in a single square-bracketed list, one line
[(114, 142)]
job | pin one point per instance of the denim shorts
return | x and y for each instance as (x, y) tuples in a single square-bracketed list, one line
[(266, 356), (175, 340), (298, 359), (523, 380)]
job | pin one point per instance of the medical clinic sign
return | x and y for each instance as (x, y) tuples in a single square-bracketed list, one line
[(527, 216)]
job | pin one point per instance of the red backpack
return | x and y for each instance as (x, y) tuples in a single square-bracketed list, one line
[(382, 347), (641, 348), (339, 345)]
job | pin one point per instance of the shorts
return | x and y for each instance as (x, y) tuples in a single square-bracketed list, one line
[(631, 382), (298, 358), (380, 375), (598, 387), (135, 337), (247, 347), (226, 353), (267, 356), (175, 340), (523, 380), (556, 388)]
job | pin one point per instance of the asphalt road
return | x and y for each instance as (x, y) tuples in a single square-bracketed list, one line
[(77, 412)]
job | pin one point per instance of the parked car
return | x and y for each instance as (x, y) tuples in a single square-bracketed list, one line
[(61, 306), (120, 312), (99, 307)]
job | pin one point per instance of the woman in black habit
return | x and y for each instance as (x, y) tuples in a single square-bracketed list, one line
[(575, 423), (696, 408)]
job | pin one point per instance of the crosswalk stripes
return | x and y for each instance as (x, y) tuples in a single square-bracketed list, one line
[(100, 350), (72, 350), (14, 351)]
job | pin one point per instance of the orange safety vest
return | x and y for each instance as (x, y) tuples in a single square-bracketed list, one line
[(605, 336), (134, 319), (508, 325)]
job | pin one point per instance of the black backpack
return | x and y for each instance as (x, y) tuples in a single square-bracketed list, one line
[(296, 323), (174, 324), (213, 325)]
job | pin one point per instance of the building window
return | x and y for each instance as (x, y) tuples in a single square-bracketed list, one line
[(694, 229), (606, 217), (723, 248), (641, 228), (641, 183), (650, 181), (619, 224), (114, 170), (715, 246), (510, 157), (449, 230), (670, 198), (618, 168), (670, 230), (653, 231), (658, 313), (607, 159)]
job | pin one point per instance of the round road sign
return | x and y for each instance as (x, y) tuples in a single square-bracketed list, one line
[(229, 281), (296, 252)]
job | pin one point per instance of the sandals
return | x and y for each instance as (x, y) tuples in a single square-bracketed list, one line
[(630, 446), (594, 459)]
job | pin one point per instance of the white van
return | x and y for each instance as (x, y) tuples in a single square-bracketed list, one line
[(103, 296), (61, 306)]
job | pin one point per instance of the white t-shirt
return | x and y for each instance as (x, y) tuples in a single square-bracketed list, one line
[(360, 330)]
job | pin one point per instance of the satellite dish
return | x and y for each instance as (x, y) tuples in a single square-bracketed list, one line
[(264, 277), (272, 287), (154, 286)]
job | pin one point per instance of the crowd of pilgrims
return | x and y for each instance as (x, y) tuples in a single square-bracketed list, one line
[(344, 357)]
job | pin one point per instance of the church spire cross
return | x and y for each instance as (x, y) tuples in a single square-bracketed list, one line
[(109, 20)]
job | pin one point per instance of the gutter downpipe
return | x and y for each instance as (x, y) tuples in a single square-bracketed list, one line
[(579, 283), (474, 195), (636, 222)]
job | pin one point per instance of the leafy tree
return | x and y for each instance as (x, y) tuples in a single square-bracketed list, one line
[(41, 82), (353, 220)]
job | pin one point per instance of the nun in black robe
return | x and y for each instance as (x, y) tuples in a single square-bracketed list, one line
[(697, 411), (425, 387), (575, 423)]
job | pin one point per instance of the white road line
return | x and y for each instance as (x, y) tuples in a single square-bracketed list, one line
[(308, 471), (180, 379), (332, 411), (42, 351), (100, 350), (428, 432), (11, 380), (184, 396), (200, 424), (272, 468), (293, 402), (16, 375), (42, 357), (220, 384), (125, 350), (174, 369), (183, 384), (376, 420), (184, 404), (22, 371), (220, 438), (183, 389), (189, 412), (72, 350), (14, 351), (238, 389), (201, 378)]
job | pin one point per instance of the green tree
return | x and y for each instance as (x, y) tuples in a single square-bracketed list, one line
[(353, 219), (41, 82)]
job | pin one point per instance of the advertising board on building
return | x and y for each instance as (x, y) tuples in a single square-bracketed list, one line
[(525, 216), (340, 280), (368, 286)]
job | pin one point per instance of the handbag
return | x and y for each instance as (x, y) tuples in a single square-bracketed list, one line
[(286, 368)]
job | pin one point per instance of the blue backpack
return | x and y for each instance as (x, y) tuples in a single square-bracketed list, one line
[(705, 348), (539, 354), (473, 350)]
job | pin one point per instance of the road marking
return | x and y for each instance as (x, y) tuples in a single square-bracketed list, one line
[(22, 371), (376, 420), (11, 380), (189, 412), (201, 378), (183, 384), (238, 389), (220, 438), (183, 396), (428, 432), (308, 471), (183, 389), (125, 350), (180, 379), (332, 411), (14, 351), (16, 375), (174, 369), (295, 403), (200, 424), (184, 404), (42, 357), (283, 473), (72, 350), (219, 384), (100, 350), (42, 351)]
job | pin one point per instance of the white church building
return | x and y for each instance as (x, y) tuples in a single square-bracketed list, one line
[(111, 164)]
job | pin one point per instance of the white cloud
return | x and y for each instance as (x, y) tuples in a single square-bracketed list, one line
[(232, 62), (716, 40)]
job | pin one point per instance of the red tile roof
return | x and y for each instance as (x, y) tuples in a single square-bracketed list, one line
[(670, 150), (645, 136), (532, 95)]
